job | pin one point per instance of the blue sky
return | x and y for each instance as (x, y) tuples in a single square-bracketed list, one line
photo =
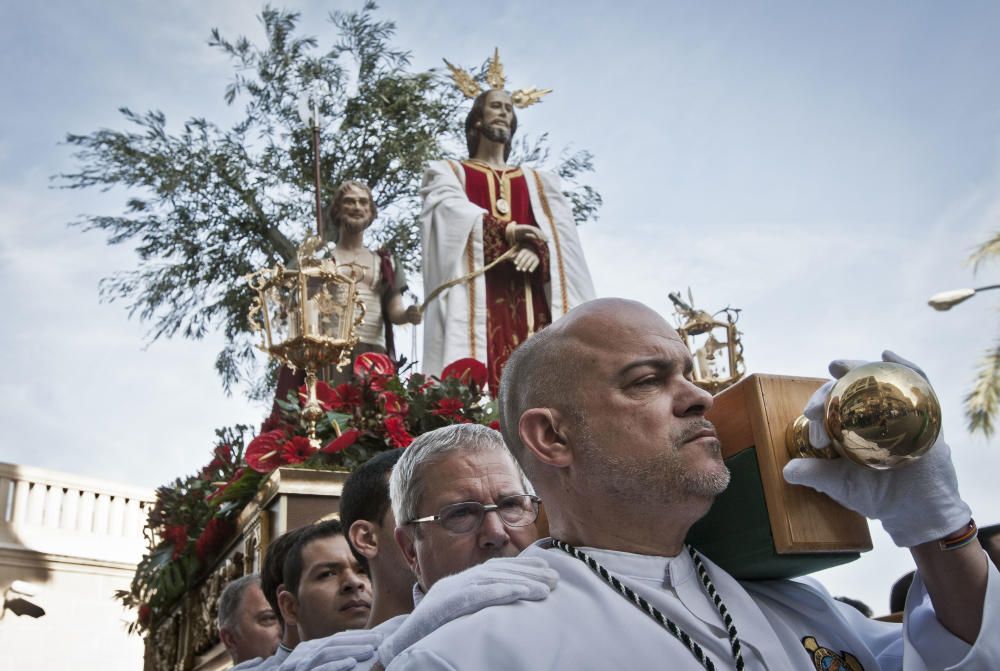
[(826, 167)]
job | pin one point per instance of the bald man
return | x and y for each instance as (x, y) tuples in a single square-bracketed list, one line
[(601, 412)]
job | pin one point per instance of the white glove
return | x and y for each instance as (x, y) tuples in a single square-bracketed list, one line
[(916, 503), (494, 583), (340, 652)]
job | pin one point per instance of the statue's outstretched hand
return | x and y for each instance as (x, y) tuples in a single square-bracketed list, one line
[(916, 503), (413, 315), (526, 261)]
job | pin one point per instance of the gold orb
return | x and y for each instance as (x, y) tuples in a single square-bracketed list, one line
[(882, 415)]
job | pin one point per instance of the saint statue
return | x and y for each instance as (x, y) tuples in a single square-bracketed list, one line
[(380, 278), (380, 281), (479, 210)]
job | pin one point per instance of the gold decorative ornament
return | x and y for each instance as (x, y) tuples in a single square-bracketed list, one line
[(307, 317), (880, 415), (718, 360), (497, 81)]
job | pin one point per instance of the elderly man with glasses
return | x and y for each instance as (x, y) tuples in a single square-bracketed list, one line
[(464, 510), (444, 495)]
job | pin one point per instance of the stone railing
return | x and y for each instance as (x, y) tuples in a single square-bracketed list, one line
[(59, 514)]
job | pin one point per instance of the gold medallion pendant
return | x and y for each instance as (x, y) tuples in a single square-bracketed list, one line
[(503, 207)]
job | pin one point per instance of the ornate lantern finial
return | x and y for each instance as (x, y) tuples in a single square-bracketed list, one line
[(307, 317), (718, 360)]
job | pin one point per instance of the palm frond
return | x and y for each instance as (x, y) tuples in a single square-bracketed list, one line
[(982, 402), (985, 252)]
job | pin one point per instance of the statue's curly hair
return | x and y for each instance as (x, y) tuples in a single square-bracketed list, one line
[(331, 225)]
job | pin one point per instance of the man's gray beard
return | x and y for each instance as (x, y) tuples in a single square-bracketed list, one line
[(663, 477), (498, 134)]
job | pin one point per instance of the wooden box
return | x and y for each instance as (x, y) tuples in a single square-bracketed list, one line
[(761, 527)]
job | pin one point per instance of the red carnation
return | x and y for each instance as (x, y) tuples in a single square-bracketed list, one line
[(221, 490), (342, 442), (176, 535), (495, 425), (396, 428), (264, 452), (346, 397), (212, 538), (392, 404), (273, 422), (144, 614), (450, 408), (466, 371), (297, 450)]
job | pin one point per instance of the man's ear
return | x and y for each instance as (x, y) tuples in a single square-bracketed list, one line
[(363, 538), (227, 638), (543, 432), (289, 607), (404, 539)]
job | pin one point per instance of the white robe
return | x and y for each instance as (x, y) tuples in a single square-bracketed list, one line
[(452, 238), (585, 625)]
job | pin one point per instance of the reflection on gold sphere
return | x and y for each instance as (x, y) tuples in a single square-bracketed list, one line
[(882, 415)]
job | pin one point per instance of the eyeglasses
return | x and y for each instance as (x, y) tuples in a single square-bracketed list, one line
[(519, 510)]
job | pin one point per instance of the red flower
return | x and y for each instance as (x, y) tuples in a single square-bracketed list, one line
[(346, 397), (372, 365), (297, 450), (176, 535), (495, 425), (218, 492), (396, 428), (450, 408), (144, 614), (466, 371), (326, 396), (224, 453), (212, 538), (345, 440), (392, 404), (273, 422), (264, 452)]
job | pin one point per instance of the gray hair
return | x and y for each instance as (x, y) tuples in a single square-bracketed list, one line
[(232, 599), (407, 484)]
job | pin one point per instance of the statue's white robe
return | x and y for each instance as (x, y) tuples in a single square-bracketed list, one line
[(452, 237), (585, 625)]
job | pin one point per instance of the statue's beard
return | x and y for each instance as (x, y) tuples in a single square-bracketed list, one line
[(353, 223), (498, 134)]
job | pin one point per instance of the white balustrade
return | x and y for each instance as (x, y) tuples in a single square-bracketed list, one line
[(57, 513)]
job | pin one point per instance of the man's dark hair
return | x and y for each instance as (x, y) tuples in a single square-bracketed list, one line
[(859, 606), (986, 533), (271, 573), (475, 118), (366, 495), (897, 596), (292, 571)]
